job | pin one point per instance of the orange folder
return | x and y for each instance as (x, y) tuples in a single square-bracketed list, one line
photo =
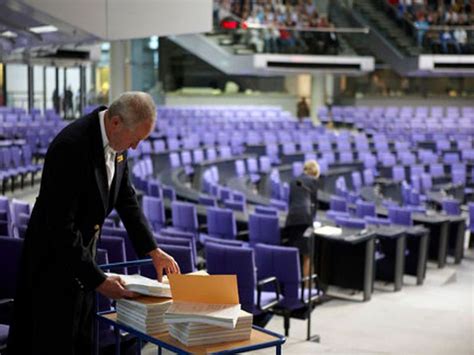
[(212, 289)]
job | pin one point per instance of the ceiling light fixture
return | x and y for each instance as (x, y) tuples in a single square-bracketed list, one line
[(8, 34), (43, 29)]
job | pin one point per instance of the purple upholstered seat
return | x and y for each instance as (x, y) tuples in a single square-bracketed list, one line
[(284, 264), (3, 335), (183, 256), (266, 210), (115, 247), (350, 222), (240, 261), (184, 216), (221, 223), (154, 211), (178, 238), (264, 229), (400, 215), (209, 201), (451, 207)]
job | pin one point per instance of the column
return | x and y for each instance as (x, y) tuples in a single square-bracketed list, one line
[(4, 87), (120, 77), (44, 90), (329, 93), (82, 88), (31, 94), (318, 93)]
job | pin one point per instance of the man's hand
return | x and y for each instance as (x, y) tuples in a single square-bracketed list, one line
[(163, 262), (113, 287)]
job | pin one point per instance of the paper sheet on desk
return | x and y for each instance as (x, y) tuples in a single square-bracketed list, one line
[(328, 231)]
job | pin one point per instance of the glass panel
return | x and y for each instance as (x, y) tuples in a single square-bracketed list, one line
[(102, 75), (38, 87), (72, 93), (17, 85), (387, 83), (50, 87)]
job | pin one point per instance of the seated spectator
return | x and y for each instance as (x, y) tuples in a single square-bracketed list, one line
[(451, 17), (445, 38), (460, 36), (332, 42), (287, 40), (270, 37), (309, 7), (463, 19), (255, 38), (422, 26)]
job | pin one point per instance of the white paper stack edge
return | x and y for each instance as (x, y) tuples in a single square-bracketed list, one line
[(145, 314), (193, 334)]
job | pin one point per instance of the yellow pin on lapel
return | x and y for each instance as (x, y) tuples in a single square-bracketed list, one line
[(119, 158)]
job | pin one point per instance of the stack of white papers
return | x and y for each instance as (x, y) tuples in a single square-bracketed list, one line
[(145, 286), (193, 334), (206, 310), (223, 315), (145, 314)]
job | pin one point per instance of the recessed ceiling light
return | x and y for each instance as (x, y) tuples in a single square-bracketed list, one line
[(8, 34), (43, 29)]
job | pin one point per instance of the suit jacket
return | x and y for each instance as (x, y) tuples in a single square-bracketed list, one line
[(58, 257), (303, 201)]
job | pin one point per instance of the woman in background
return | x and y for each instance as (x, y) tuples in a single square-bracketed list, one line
[(302, 210)]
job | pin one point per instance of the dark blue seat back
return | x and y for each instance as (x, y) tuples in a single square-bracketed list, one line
[(264, 229), (229, 260), (221, 223)]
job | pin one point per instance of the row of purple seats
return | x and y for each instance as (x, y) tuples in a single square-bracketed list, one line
[(260, 278), (14, 217), (16, 161)]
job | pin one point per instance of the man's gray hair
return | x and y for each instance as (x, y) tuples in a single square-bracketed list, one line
[(133, 107)]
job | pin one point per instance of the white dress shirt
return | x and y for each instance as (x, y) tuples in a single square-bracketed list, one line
[(109, 153)]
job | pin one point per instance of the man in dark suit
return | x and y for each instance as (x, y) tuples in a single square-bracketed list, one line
[(85, 176), (302, 210)]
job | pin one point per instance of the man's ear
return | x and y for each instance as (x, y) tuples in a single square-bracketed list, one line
[(115, 120)]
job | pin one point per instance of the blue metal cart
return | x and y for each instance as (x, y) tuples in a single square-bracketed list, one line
[(260, 338)]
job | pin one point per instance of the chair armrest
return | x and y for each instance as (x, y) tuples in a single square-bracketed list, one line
[(313, 278), (243, 235), (6, 301), (260, 285)]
